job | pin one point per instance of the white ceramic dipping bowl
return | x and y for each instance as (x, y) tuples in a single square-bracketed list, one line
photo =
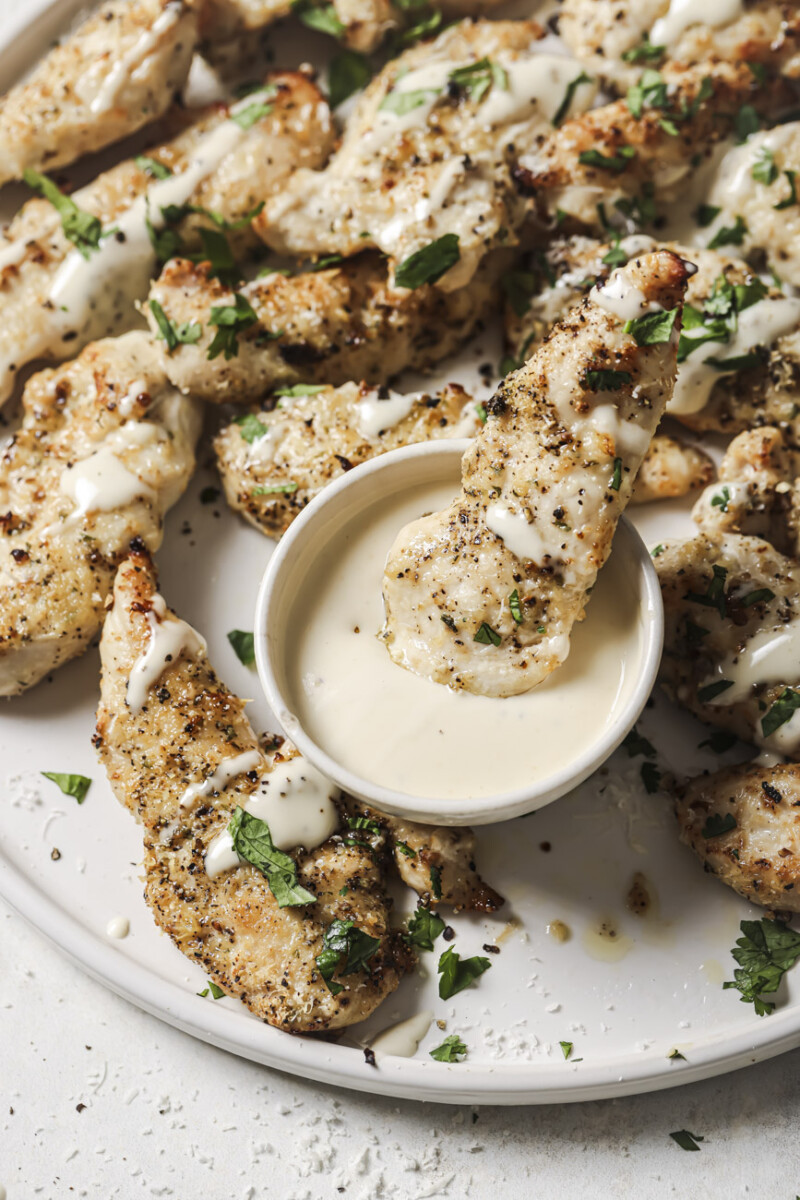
[(282, 602)]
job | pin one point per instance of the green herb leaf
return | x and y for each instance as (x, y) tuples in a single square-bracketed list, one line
[(152, 166), (209, 495), (251, 427), (428, 264), (451, 1050), (519, 286), (657, 550), (653, 328), (686, 1140), (301, 389), (714, 595), (712, 690), (487, 635), (476, 78), (566, 1048), (216, 992), (252, 841), (569, 96), (81, 228), (401, 103), (275, 489), (244, 646), (729, 235), (217, 252), (765, 952), (759, 596), (230, 320), (791, 199), (424, 927), (716, 825), (764, 169), (614, 162), (436, 881), (706, 213), (343, 938), (457, 973), (722, 499), (616, 478), (635, 744), (606, 381), (719, 741), (71, 785), (424, 28), (323, 17), (649, 92), (404, 848), (480, 413), (651, 777), (348, 73), (739, 362), (780, 712), (515, 606), (644, 52), (676, 1056), (185, 334), (167, 243), (447, 620), (747, 121), (247, 117)]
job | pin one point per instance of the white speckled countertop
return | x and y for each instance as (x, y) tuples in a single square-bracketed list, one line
[(98, 1099)]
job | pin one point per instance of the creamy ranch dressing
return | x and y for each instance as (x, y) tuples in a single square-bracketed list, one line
[(402, 1040), (374, 415), (102, 483), (118, 927), (768, 657), (684, 13), (297, 803), (100, 86), (402, 731), (227, 771), (620, 298), (170, 638)]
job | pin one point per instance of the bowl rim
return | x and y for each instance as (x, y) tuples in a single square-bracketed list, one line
[(474, 810)]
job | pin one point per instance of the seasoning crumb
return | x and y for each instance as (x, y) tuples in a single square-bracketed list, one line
[(79, 1107), (639, 899), (369, 1057), (448, 933), (490, 948), (55, 854), (356, 629), (545, 847), (441, 1024), (559, 930)]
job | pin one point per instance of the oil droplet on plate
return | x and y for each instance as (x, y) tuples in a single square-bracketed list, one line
[(559, 930), (605, 941)]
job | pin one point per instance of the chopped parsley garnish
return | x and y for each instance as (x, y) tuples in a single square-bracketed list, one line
[(566, 1048), (519, 286), (487, 636), (447, 620), (791, 199), (644, 52), (722, 499), (686, 1140), (425, 27), (217, 252), (649, 92), (716, 825), (616, 478), (457, 973), (739, 362), (706, 213), (606, 381), (613, 162), (759, 596), (230, 320), (451, 1050), (515, 606), (215, 991), (80, 228), (301, 389), (349, 72), (244, 646), (71, 785), (321, 17), (248, 116), (635, 744), (343, 938), (764, 169), (780, 712), (153, 167), (404, 849), (476, 78), (657, 550), (275, 489), (719, 741), (424, 927), (436, 882), (712, 690), (651, 777), (186, 333), (746, 122), (714, 595), (328, 260), (653, 328), (401, 103), (729, 235), (429, 263), (209, 495), (676, 1056), (480, 413), (251, 427), (252, 841), (765, 952), (569, 96)]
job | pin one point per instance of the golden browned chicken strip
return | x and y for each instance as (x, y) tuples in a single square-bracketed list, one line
[(743, 823), (424, 169), (543, 487), (417, 848), (325, 327), (105, 447), (739, 353), (732, 636), (272, 463), (69, 277), (117, 72), (670, 469), (288, 912), (617, 38), (630, 162)]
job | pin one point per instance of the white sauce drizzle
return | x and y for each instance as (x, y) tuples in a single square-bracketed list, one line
[(683, 14), (622, 299), (538, 81), (127, 403), (102, 483), (297, 803), (100, 88), (227, 771), (375, 415), (770, 656), (12, 253), (118, 927), (734, 181), (759, 325), (402, 1040), (170, 639), (524, 538)]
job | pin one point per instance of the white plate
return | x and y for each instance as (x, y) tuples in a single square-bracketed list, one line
[(623, 1017)]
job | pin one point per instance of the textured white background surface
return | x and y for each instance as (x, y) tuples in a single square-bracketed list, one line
[(167, 1116)]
